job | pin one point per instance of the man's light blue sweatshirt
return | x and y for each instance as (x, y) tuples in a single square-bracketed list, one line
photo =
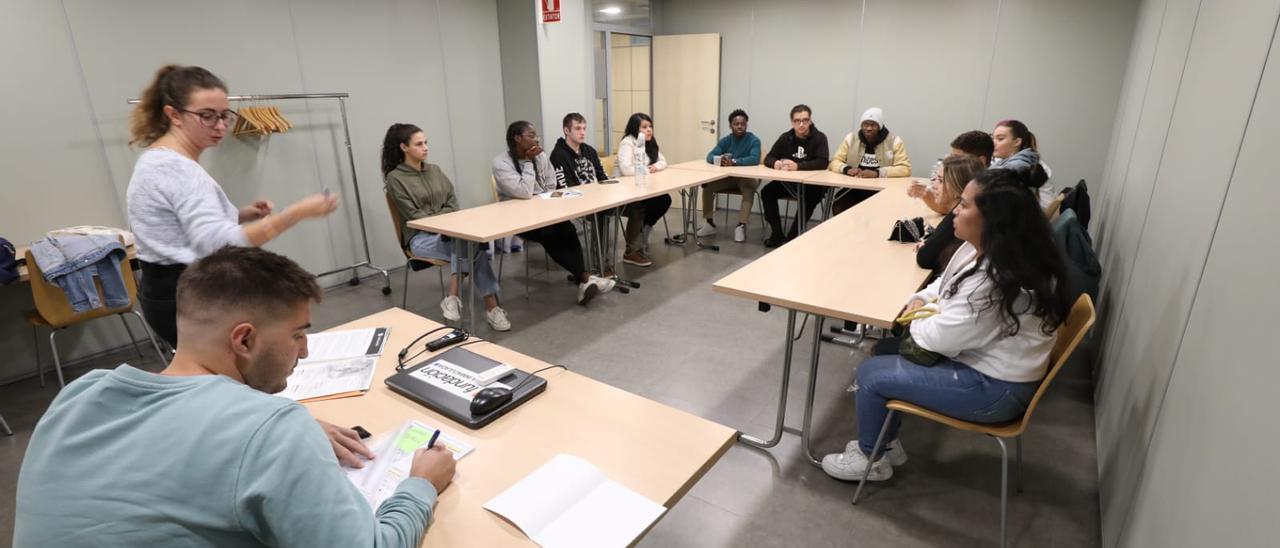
[(130, 458)]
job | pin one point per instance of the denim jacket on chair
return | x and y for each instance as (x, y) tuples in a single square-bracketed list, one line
[(71, 262)]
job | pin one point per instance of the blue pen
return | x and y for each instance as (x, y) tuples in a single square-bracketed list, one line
[(432, 443)]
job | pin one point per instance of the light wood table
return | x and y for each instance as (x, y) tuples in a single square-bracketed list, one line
[(845, 268), (655, 450), (760, 172), (472, 226), (842, 184)]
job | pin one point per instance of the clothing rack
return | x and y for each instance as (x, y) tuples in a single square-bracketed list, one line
[(346, 134)]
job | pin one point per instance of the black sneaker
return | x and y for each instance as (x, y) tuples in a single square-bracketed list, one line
[(774, 240)]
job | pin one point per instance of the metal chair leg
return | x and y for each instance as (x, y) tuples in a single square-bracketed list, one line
[(136, 348), (871, 459), (5, 426), (444, 291), (404, 299), (150, 335), (35, 339), (1018, 444), (57, 362), (1004, 492), (526, 271)]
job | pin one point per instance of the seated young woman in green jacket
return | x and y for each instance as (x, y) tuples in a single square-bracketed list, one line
[(421, 190)]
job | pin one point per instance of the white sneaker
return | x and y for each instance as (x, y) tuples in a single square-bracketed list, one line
[(850, 465), (740, 233), (893, 451), (586, 292), (706, 230), (452, 308), (498, 319), (604, 284)]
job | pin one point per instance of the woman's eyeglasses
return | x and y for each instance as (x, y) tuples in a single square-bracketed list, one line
[(209, 117)]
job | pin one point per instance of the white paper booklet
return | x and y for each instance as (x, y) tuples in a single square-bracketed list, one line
[(378, 480), (569, 503), (348, 343), (349, 377)]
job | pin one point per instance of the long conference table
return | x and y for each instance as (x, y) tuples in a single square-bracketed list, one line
[(472, 226), (654, 450), (845, 268)]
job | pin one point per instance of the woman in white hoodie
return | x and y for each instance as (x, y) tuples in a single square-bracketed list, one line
[(996, 307), (643, 215)]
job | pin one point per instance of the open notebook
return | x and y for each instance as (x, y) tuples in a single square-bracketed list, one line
[(380, 477), (339, 364), (569, 503)]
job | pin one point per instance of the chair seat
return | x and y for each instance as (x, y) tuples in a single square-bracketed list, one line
[(428, 260), (1000, 430), (33, 317)]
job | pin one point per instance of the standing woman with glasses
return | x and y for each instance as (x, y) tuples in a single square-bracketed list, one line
[(178, 213)]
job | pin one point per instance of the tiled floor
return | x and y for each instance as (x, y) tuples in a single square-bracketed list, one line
[(676, 342)]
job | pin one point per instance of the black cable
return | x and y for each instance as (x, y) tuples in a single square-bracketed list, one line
[(470, 342), (531, 375), (405, 351)]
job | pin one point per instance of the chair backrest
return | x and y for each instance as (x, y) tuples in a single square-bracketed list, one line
[(493, 185), (397, 221), (607, 163), (52, 304), (1069, 335)]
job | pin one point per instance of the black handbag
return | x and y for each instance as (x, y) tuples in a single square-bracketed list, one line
[(909, 230)]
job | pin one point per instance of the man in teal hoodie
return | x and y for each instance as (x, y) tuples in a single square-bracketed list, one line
[(202, 454), (739, 148)]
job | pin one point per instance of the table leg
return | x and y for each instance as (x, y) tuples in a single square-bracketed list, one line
[(806, 433), (472, 248), (459, 255), (623, 285), (782, 395), (802, 220)]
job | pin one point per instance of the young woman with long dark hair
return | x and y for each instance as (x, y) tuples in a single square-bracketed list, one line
[(998, 304), (643, 215), (419, 190)]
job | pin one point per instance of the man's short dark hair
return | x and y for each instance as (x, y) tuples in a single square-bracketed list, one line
[(572, 117), (801, 108), (244, 278), (739, 112), (975, 143)]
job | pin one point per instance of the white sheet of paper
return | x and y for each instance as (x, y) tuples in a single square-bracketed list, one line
[(380, 477), (568, 502), (563, 194), (315, 379), (337, 345)]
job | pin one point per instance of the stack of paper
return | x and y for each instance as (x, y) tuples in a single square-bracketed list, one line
[(339, 364), (570, 503), (378, 480)]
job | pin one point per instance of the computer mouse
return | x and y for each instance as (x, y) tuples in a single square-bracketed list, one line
[(489, 399)]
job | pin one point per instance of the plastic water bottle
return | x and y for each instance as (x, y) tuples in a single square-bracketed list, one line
[(642, 163), (935, 177)]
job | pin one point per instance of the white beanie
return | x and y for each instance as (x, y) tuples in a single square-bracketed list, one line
[(874, 114)]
